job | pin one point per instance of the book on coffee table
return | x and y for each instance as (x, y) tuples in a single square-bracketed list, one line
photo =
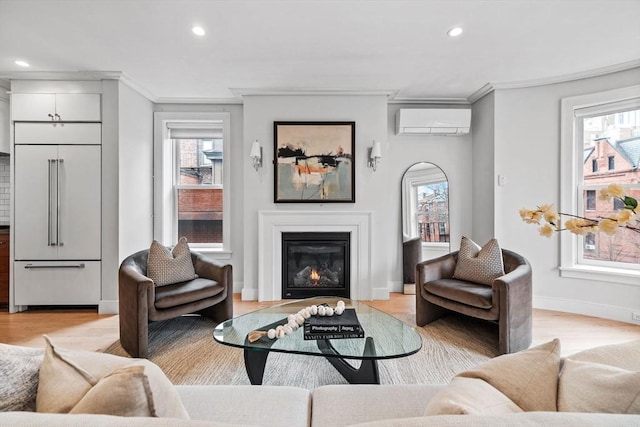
[(345, 325)]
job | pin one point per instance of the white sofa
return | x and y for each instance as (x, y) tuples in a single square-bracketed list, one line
[(388, 405)]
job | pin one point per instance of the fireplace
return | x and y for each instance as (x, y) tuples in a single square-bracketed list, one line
[(315, 264)]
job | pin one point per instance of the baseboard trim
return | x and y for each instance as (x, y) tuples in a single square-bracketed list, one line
[(379, 293), (108, 307), (396, 286), (238, 287), (621, 314), (249, 294)]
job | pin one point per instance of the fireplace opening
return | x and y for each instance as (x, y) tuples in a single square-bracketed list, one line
[(315, 264)]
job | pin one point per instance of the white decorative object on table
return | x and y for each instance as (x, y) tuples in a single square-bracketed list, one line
[(294, 321)]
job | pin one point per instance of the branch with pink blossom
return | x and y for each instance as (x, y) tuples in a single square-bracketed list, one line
[(550, 220)]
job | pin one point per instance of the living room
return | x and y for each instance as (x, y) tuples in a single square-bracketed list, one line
[(517, 127), (471, 162)]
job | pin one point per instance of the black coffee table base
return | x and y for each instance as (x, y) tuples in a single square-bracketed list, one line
[(256, 359), (367, 373)]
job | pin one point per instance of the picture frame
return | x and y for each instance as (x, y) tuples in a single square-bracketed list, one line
[(314, 162)]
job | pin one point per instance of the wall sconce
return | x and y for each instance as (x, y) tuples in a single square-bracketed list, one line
[(374, 155), (256, 155)]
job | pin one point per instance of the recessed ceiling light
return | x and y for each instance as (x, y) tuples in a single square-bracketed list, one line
[(198, 31), (454, 32), (22, 63)]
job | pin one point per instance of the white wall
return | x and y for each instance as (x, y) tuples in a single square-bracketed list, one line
[(372, 188), (127, 150), (452, 154), (484, 175), (135, 172), (527, 153), (110, 189)]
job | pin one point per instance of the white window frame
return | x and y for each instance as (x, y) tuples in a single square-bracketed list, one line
[(571, 188), (164, 205)]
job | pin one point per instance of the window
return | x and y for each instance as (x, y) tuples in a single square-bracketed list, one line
[(590, 242), (591, 200), (617, 204), (199, 188), (603, 125), (191, 184)]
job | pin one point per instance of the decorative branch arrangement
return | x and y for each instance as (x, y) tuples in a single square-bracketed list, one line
[(625, 218)]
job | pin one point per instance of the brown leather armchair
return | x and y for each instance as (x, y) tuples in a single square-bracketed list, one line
[(507, 302), (140, 302)]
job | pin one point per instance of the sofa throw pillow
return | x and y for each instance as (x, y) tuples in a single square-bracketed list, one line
[(593, 387), (529, 378), (624, 355), (479, 264), (166, 267), (88, 382), (470, 396), (19, 368)]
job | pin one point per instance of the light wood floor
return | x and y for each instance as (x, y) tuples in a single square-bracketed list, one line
[(85, 329)]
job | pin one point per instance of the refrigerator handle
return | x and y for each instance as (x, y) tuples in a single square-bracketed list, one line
[(49, 201), (58, 207), (31, 266)]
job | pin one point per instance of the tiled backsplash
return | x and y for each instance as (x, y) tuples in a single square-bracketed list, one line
[(5, 161)]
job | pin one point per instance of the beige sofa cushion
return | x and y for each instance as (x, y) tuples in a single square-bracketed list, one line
[(529, 378), (123, 386), (526, 419), (267, 406), (593, 387), (33, 419), (470, 396), (345, 404), (625, 355)]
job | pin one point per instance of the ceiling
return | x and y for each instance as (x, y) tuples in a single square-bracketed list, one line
[(395, 47)]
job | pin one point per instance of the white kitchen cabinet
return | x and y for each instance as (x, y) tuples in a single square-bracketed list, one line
[(47, 107), (57, 202), (58, 133), (60, 283)]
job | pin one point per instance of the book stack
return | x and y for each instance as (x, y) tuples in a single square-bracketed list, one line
[(333, 327)]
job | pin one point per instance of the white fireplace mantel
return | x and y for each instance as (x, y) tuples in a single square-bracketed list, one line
[(271, 225)]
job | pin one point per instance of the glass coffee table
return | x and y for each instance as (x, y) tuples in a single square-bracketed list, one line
[(385, 337)]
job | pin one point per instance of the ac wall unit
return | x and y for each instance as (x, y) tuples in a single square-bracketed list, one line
[(433, 121)]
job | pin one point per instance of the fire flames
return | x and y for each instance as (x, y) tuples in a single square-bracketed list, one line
[(314, 275)]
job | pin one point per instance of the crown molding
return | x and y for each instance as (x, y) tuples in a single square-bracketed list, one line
[(169, 100), (135, 85), (242, 92), (491, 86), (60, 75), (430, 101)]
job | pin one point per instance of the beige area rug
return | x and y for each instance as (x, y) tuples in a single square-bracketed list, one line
[(185, 350)]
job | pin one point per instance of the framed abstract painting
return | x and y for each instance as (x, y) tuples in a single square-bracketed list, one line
[(314, 162)]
